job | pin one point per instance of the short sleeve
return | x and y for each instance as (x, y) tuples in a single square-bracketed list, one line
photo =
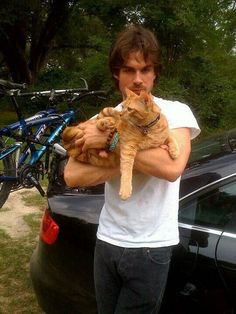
[(179, 115)]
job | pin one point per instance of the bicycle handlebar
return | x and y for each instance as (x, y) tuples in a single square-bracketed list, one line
[(54, 92), (11, 86), (57, 92), (14, 89), (75, 94), (89, 93)]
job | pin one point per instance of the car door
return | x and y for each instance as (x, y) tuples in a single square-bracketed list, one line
[(226, 248), (203, 240)]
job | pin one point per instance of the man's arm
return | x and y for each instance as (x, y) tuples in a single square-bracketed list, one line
[(155, 162), (158, 163), (80, 174)]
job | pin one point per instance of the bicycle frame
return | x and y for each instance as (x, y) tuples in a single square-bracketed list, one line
[(41, 121), (11, 128), (34, 137), (16, 131)]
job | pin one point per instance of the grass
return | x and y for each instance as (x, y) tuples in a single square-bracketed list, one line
[(16, 291), (31, 199), (7, 117)]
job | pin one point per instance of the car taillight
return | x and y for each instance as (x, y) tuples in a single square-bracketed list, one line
[(49, 229)]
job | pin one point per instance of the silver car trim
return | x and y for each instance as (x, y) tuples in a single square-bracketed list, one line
[(230, 235), (207, 230), (207, 185), (199, 228)]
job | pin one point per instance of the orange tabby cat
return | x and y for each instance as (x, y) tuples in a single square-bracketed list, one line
[(140, 125)]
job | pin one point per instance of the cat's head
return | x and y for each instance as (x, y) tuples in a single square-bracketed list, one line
[(140, 108)]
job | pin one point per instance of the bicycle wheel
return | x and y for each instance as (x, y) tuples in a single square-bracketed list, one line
[(6, 168)]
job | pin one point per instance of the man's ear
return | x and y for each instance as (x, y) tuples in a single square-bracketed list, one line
[(115, 76)]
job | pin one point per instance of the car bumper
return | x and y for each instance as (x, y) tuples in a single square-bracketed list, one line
[(59, 287)]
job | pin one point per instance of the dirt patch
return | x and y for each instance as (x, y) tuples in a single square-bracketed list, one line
[(13, 212)]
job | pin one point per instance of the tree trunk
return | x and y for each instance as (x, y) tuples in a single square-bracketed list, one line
[(23, 57)]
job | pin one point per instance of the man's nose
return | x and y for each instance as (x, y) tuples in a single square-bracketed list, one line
[(138, 78)]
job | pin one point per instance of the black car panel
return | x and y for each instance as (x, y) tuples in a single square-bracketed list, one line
[(51, 278), (202, 275), (226, 257), (71, 252), (85, 207), (200, 174)]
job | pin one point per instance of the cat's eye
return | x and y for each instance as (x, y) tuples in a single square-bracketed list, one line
[(129, 109)]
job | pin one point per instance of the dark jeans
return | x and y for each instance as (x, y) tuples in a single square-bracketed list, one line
[(130, 280)]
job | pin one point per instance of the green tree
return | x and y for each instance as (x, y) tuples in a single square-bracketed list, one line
[(198, 43), (27, 31), (197, 39)]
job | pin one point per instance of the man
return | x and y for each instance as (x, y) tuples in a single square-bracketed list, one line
[(135, 236)]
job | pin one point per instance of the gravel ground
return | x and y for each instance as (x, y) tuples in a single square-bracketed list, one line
[(12, 213)]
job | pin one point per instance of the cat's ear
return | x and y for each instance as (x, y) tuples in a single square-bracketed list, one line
[(129, 92), (145, 97)]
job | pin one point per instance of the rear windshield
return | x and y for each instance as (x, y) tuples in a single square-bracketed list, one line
[(210, 146)]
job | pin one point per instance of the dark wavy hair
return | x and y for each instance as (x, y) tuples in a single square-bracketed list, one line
[(134, 38)]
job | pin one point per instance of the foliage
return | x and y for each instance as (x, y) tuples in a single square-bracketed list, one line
[(197, 40), (7, 117), (27, 30)]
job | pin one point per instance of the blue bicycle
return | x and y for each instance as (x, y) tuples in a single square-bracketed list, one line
[(26, 145)]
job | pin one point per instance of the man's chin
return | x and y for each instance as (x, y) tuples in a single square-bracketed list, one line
[(137, 91)]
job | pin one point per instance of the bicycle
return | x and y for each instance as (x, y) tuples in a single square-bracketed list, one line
[(23, 144)]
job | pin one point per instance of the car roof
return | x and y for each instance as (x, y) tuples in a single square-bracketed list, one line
[(212, 158)]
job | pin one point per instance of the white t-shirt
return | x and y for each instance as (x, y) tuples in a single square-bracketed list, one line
[(149, 218)]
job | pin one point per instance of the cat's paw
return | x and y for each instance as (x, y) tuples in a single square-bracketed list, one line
[(71, 132), (125, 193), (173, 147), (106, 123), (174, 153)]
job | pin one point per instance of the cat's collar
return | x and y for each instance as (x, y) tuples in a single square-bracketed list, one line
[(144, 128)]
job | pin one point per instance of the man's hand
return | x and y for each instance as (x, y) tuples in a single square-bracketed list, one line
[(93, 137)]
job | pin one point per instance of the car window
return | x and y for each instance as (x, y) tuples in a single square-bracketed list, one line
[(209, 146), (212, 209)]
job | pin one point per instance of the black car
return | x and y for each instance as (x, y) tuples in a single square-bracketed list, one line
[(202, 275)]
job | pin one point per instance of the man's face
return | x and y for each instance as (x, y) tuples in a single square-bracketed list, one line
[(136, 74)]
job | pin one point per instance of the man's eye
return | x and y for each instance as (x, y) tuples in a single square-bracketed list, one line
[(127, 70), (146, 70)]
